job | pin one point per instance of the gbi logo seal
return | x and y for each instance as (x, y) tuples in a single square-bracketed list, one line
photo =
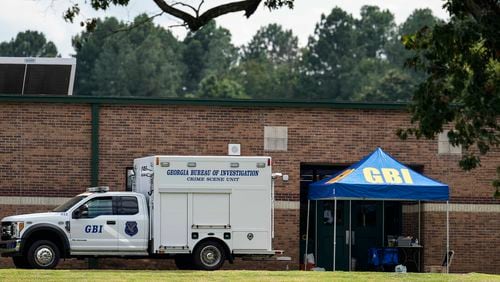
[(131, 228)]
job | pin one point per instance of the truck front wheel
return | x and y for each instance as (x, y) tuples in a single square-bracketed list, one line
[(209, 255), (43, 254)]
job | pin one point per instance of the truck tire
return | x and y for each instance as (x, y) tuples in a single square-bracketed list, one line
[(184, 262), (209, 255), (43, 254), (20, 262)]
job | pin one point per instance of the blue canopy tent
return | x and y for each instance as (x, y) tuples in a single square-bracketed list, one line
[(378, 176)]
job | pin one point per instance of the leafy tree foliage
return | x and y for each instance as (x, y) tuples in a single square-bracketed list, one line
[(396, 53), (347, 59), (329, 57), (374, 30), (28, 44), (352, 59), (213, 87), (269, 64), (207, 52), (273, 44), (144, 61), (461, 60)]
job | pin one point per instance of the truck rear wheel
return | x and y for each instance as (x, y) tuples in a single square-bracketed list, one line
[(209, 255), (43, 254), (20, 262)]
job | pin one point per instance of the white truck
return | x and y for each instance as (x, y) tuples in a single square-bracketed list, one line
[(199, 210)]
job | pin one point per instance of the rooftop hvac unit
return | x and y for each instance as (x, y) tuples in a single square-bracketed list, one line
[(37, 76)]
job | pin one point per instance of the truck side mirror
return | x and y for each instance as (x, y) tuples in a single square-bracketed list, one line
[(80, 212), (77, 213)]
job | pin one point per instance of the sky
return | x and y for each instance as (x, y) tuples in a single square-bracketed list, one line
[(46, 16)]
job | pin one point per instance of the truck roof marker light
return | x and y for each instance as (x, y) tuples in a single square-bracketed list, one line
[(261, 165), (191, 164), (235, 165), (157, 161), (98, 189), (269, 162), (165, 164)]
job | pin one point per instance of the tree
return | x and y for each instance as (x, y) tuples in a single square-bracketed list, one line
[(374, 30), (28, 44), (330, 55), (207, 52), (268, 67), (376, 80), (461, 59), (145, 61), (397, 54), (193, 16), (213, 87), (345, 60), (274, 44)]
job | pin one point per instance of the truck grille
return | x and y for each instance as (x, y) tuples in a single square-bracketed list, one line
[(6, 231)]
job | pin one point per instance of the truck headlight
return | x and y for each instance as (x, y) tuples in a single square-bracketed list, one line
[(16, 228)]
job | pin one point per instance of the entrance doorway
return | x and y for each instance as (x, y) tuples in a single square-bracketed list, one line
[(368, 221)]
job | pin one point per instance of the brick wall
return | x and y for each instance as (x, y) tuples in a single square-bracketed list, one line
[(45, 150), (473, 237), (410, 221)]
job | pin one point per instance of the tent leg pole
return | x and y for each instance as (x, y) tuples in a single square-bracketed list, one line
[(316, 232), (350, 235), (447, 237), (419, 220), (307, 234), (334, 232)]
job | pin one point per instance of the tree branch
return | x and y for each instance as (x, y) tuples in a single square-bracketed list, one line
[(139, 23), (196, 22), (187, 18), (186, 5)]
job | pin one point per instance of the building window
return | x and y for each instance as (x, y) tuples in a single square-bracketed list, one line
[(275, 138), (444, 145)]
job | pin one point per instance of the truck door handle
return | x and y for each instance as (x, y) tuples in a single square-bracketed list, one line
[(111, 222)]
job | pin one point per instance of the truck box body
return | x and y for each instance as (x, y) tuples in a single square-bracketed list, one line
[(195, 197)]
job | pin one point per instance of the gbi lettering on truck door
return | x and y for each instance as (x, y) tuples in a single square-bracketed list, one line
[(93, 228)]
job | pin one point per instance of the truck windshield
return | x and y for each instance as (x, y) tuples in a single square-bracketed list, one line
[(71, 202)]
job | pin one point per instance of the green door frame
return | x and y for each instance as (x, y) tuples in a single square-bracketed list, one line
[(94, 159)]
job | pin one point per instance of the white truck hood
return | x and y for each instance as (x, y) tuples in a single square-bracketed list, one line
[(37, 217)]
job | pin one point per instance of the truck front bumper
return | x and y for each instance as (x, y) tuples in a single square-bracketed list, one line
[(10, 247)]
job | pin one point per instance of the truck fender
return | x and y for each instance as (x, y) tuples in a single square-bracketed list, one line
[(63, 239)]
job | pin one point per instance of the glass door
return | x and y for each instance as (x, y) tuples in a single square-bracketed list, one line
[(325, 235)]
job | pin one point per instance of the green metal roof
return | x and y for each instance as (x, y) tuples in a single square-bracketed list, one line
[(201, 102)]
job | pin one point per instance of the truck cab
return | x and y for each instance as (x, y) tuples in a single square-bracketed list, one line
[(96, 223)]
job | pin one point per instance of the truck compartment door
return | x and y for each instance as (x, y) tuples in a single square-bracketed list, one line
[(174, 219), (210, 210)]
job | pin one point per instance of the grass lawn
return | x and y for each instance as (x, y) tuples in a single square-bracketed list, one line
[(229, 275)]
